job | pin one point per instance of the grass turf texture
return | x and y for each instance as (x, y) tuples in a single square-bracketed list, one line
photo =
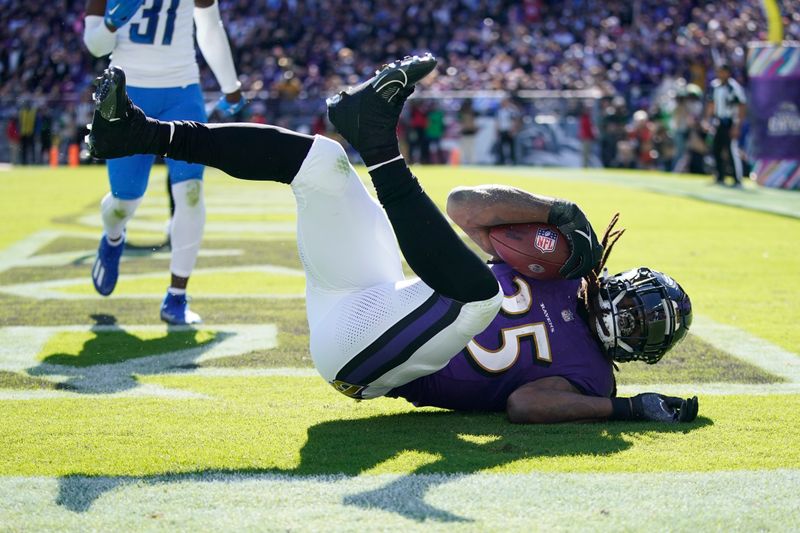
[(720, 254), (82, 349), (234, 283), (264, 424), (19, 381), (738, 265), (694, 361)]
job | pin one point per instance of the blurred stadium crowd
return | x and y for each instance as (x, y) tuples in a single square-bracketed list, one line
[(635, 56)]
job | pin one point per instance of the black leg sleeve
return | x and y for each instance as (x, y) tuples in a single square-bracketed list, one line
[(433, 250), (245, 151)]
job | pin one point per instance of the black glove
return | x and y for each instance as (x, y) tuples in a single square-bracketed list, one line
[(655, 407), (586, 250)]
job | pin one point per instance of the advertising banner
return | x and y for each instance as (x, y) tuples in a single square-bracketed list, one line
[(774, 113)]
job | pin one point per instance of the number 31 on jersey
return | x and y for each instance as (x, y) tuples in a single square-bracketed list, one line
[(144, 32)]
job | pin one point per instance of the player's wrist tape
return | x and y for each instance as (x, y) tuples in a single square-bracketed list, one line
[(622, 409)]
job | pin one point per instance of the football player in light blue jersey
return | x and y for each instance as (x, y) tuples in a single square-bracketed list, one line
[(153, 40)]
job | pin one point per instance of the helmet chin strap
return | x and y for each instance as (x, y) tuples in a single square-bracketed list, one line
[(602, 309), (604, 322)]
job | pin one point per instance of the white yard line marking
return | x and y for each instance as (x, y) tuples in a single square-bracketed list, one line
[(49, 290), (712, 389), (732, 340), (145, 390), (749, 348), (222, 208), (18, 252), (738, 500), (21, 345), (14, 357), (212, 226), (282, 372), (87, 256)]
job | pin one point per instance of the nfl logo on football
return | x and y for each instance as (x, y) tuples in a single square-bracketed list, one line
[(545, 240)]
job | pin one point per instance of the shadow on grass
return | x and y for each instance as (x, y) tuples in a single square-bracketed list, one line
[(462, 444), (108, 362)]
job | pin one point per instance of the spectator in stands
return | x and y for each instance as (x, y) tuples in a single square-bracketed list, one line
[(697, 147), (326, 44), (586, 134), (507, 125), (663, 149), (68, 127), (612, 131), (434, 133), (499, 45), (686, 134), (45, 129), (680, 129), (12, 135), (27, 131), (469, 129), (318, 127), (418, 147), (258, 116), (641, 133)]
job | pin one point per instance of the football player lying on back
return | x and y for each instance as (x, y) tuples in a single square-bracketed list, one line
[(547, 355), (372, 331)]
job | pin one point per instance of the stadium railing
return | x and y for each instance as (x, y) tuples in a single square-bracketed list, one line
[(546, 133)]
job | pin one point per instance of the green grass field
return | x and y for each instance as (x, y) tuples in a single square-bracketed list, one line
[(111, 421)]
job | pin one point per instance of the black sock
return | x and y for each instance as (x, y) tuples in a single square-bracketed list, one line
[(150, 136), (381, 154), (245, 151), (433, 250), (622, 409)]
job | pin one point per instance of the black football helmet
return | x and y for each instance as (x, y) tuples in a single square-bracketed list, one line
[(642, 314)]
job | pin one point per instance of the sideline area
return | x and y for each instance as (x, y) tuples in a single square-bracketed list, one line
[(751, 196)]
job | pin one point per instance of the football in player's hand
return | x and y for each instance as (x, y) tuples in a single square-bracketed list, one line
[(535, 250)]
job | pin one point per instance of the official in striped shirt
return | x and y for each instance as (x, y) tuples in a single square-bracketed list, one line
[(727, 108)]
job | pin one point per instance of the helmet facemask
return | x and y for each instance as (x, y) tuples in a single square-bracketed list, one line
[(640, 314)]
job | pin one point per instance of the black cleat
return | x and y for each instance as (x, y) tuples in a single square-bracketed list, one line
[(110, 97), (118, 127), (367, 115)]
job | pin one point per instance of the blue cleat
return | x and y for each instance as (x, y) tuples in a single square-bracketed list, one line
[(175, 310), (105, 270)]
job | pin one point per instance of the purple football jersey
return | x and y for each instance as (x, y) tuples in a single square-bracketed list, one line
[(537, 333)]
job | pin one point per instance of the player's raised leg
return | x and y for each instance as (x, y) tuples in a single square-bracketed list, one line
[(344, 237), (367, 117), (384, 332), (461, 295), (245, 151)]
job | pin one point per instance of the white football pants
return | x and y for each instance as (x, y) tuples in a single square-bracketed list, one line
[(371, 329)]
